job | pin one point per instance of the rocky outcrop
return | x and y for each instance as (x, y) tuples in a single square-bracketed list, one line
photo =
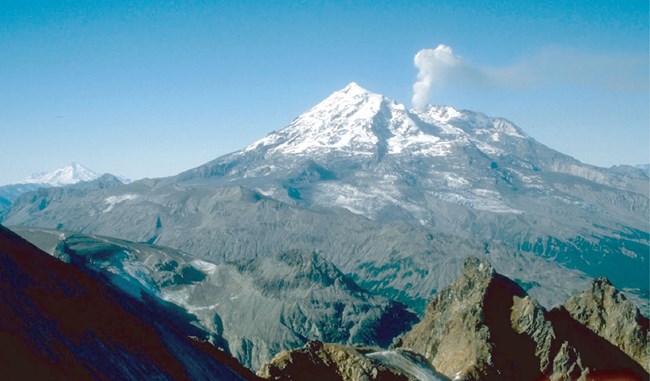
[(467, 328), (330, 362), (303, 297), (605, 311), (485, 327), (59, 323)]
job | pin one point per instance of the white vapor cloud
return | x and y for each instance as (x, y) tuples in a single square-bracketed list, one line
[(435, 66), (609, 71)]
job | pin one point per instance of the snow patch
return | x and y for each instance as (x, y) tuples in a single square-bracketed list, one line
[(179, 296), (204, 308), (488, 149), (137, 271), (507, 128), (480, 203), (364, 200), (628, 253), (113, 200), (417, 369), (455, 181), (270, 192), (204, 267)]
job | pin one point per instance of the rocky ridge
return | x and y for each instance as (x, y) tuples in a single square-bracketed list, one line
[(605, 311), (333, 362), (253, 309), (482, 327), (485, 327), (59, 323)]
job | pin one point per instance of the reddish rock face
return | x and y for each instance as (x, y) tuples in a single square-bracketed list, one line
[(485, 327), (59, 323)]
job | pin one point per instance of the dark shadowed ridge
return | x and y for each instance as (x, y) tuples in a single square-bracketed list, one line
[(58, 323)]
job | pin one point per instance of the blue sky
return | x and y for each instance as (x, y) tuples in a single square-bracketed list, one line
[(151, 88)]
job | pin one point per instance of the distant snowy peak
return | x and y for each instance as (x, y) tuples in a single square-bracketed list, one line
[(355, 121), (70, 174)]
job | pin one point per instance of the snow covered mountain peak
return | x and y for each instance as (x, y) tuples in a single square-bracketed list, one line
[(439, 113), (341, 122), (70, 174), (354, 88), (356, 122), (351, 98)]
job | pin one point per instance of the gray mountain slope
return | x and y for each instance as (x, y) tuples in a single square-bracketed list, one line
[(9, 193), (253, 308), (458, 172), (399, 260), (12, 191), (380, 190)]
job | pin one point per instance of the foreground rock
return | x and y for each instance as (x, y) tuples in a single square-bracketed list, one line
[(59, 323), (485, 327), (333, 362), (605, 311)]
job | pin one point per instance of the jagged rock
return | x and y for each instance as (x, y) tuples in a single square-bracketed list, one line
[(567, 365), (330, 362), (528, 318), (467, 329), (605, 311), (485, 327)]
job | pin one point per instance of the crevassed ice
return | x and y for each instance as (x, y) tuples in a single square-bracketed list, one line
[(479, 202), (406, 365)]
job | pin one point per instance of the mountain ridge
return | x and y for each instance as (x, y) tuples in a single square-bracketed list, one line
[(251, 309), (69, 174), (72, 174), (59, 323), (471, 178), (485, 327)]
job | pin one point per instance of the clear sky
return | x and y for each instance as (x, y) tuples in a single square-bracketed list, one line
[(151, 88)]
